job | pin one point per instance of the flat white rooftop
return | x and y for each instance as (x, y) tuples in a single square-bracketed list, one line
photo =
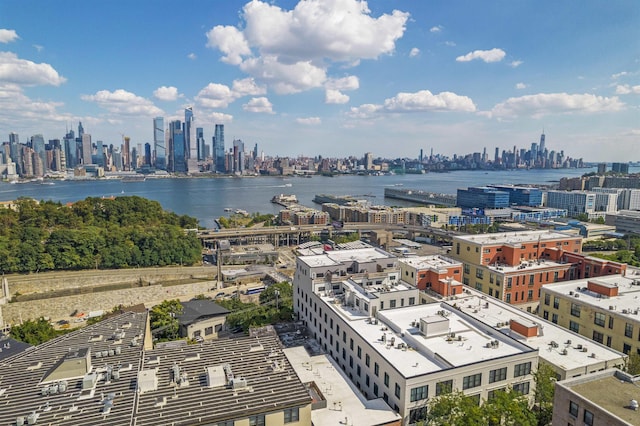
[(626, 303), (371, 291), (430, 262), (514, 237), (339, 257), (343, 399), (413, 353), (529, 266), (580, 352)]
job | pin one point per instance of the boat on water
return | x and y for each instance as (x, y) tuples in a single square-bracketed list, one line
[(285, 199), (287, 185), (228, 209)]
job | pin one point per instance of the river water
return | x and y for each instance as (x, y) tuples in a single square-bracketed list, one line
[(207, 198)]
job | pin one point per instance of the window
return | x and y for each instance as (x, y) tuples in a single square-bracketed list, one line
[(376, 369), (412, 301), (522, 369), (556, 302), (575, 310), (257, 420), (508, 298), (555, 277), (588, 418), (444, 387), (599, 319), (359, 352), (392, 303), (366, 380), (208, 331), (626, 348), (491, 279), (628, 330), (479, 273), (466, 268), (573, 409), (291, 415), (471, 381), (574, 326), (509, 282), (610, 322), (492, 393), (547, 299), (531, 279), (554, 318), (351, 344), (522, 388), (478, 286), (417, 414), (497, 375), (419, 393), (530, 295), (386, 379), (598, 337), (358, 370), (397, 391), (375, 389), (367, 360)]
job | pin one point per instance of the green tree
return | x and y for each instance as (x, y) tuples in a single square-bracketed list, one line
[(454, 409), (633, 364), (509, 408), (34, 332), (163, 321), (544, 378)]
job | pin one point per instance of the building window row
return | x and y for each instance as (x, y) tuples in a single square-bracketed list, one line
[(419, 393)]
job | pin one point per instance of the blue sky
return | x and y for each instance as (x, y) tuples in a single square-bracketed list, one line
[(330, 77)]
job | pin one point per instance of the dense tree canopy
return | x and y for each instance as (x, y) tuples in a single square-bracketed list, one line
[(94, 233), (163, 320), (34, 332)]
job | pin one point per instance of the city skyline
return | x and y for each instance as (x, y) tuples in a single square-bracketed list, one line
[(329, 78)]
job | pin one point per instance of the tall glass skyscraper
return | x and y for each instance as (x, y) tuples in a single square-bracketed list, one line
[(191, 149), (37, 144), (200, 143), (159, 143), (179, 147), (218, 148)]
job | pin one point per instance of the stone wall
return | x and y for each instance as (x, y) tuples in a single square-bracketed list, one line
[(61, 307), (54, 281)]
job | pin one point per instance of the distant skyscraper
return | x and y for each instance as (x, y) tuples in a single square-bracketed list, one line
[(37, 144), (179, 147), (126, 154), (70, 150), (159, 143), (542, 142), (218, 149), (238, 156), (80, 129), (147, 154), (86, 148), (200, 143), (191, 148)]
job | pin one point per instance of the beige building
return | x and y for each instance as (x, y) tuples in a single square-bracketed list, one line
[(201, 319), (604, 398), (604, 309), (367, 319)]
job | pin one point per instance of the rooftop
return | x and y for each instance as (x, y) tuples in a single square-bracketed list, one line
[(626, 303), (342, 398), (196, 309), (609, 392), (430, 262), (124, 384), (454, 339), (551, 339), (340, 257), (512, 238)]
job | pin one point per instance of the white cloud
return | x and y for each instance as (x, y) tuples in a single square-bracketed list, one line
[(420, 101), (260, 104), (515, 64), (23, 72), (626, 89), (7, 36), (123, 102), (350, 82), (424, 100), (230, 41), (309, 121), (414, 52), (165, 93), (18, 110), (219, 117), (285, 78), (450, 43), (493, 55), (38, 47), (192, 56), (247, 86), (215, 95), (521, 86), (292, 50), (543, 104), (333, 96), (618, 75), (436, 29)]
